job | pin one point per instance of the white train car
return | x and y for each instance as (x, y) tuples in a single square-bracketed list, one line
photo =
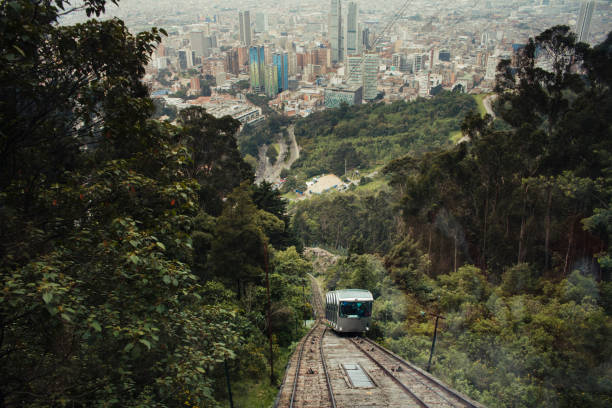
[(349, 310)]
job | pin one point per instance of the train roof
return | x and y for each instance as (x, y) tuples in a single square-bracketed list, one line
[(353, 294)]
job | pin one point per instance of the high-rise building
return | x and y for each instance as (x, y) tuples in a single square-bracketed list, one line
[(292, 63), (261, 22), (194, 84), (300, 60), (334, 28), (370, 76), (182, 60), (268, 55), (397, 60), (271, 80), (417, 64), (281, 62), (243, 56), (365, 39), (354, 68), (321, 56), (492, 61), (583, 24), (244, 19), (186, 59), (352, 39), (202, 45), (231, 62), (257, 67), (197, 41)]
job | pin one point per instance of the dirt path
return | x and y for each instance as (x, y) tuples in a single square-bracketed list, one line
[(487, 104)]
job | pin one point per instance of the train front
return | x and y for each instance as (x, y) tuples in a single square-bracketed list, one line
[(354, 310)]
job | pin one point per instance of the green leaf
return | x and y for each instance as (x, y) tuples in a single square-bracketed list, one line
[(162, 246), (166, 279), (96, 326), (146, 343), (47, 297), (19, 50), (200, 370), (134, 259), (128, 347)]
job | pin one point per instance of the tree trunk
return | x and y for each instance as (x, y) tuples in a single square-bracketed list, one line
[(521, 250), (337, 235), (547, 231), (429, 243), (484, 235), (570, 240), (455, 257)]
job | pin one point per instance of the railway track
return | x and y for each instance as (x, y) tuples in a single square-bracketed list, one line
[(329, 370), (307, 373), (425, 390)]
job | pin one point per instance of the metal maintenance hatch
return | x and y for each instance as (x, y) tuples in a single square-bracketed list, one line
[(357, 377)]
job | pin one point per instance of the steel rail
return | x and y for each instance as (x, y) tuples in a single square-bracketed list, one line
[(329, 386), (403, 386), (299, 363), (462, 398)]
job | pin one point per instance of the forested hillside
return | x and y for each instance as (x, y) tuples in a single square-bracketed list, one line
[(507, 236), (133, 253), (139, 265), (368, 135)]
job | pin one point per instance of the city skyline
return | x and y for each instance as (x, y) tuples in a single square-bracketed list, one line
[(346, 44)]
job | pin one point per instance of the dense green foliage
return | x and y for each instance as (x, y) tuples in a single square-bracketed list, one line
[(253, 136), (519, 193), (507, 236), (132, 252), (338, 221), (506, 345), (372, 134)]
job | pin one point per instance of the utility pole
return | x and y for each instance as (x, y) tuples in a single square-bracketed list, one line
[(433, 342), (272, 378), (229, 387)]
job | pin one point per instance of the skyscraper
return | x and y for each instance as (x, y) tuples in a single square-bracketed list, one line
[(417, 64), (244, 19), (366, 43), (370, 76), (583, 24), (334, 28), (271, 80), (261, 22), (231, 62), (354, 68), (352, 38), (197, 43), (281, 62), (257, 67)]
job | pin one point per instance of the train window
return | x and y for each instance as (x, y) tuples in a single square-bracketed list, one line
[(355, 309)]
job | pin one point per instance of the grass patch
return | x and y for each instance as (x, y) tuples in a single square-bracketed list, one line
[(253, 393), (377, 184), (455, 136), (276, 147), (258, 393), (479, 100), (290, 196)]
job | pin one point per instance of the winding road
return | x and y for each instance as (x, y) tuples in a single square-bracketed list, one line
[(271, 172)]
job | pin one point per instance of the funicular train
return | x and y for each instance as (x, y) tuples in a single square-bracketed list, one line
[(349, 310)]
